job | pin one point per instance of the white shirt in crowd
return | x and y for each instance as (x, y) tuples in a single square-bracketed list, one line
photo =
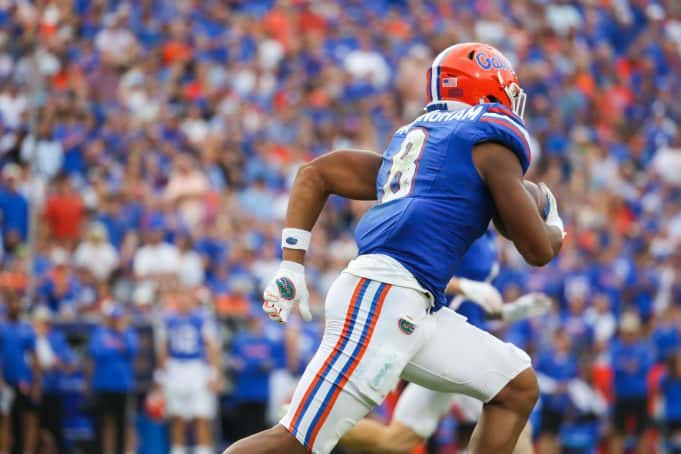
[(153, 259), (191, 269), (12, 107), (100, 258), (49, 155)]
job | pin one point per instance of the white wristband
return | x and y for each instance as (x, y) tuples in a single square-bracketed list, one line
[(295, 239)]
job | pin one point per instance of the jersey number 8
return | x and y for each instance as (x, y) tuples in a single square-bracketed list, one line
[(405, 164)]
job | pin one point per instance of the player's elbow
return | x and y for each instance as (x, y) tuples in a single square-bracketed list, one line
[(311, 176), (537, 254)]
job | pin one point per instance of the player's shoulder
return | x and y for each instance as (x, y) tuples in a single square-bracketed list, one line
[(497, 123), (498, 110)]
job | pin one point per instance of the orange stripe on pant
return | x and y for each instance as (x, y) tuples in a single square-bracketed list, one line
[(353, 366), (346, 327)]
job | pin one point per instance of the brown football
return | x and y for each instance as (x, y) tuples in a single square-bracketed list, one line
[(537, 194)]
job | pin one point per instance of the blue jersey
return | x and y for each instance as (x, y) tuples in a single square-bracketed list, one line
[(480, 262), (185, 334), (432, 203)]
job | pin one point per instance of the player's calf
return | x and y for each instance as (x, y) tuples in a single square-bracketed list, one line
[(372, 437), (505, 416), (271, 441), (520, 394)]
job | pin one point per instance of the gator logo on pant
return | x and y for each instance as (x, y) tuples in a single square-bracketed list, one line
[(406, 326), (286, 288)]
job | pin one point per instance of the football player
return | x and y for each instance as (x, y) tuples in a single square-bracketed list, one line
[(420, 409), (188, 358), (438, 184)]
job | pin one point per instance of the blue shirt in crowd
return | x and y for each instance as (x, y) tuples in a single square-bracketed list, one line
[(252, 355), (562, 368), (113, 353), (14, 208), (631, 363), (671, 390), (18, 342), (52, 378)]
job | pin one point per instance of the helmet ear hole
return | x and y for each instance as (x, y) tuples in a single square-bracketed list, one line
[(492, 98), (471, 54)]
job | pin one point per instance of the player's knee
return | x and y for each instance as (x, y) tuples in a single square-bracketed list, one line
[(520, 394)]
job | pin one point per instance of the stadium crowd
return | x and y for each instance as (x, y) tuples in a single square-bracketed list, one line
[(166, 134)]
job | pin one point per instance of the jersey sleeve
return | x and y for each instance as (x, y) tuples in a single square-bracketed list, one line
[(499, 124)]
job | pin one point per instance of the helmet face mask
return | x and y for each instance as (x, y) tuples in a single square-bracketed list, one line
[(518, 98), (474, 73)]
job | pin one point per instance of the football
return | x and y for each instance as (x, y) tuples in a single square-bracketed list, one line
[(537, 194), (539, 197)]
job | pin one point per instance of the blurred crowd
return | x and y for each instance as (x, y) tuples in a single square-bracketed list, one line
[(146, 150)]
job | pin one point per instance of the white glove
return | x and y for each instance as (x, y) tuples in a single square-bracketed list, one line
[(483, 294), (286, 289), (553, 218), (530, 305)]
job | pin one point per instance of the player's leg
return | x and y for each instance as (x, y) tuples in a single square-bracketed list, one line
[(504, 417), (371, 436), (470, 411), (362, 354), (416, 417), (177, 403), (460, 358), (178, 434), (204, 408), (524, 444)]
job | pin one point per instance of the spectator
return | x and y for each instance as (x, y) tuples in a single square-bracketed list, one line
[(96, 253), (21, 372), (117, 44), (14, 207), (13, 104), (667, 334), (157, 259), (191, 272), (555, 368), (186, 187), (251, 359), (670, 387), (55, 359), (189, 356), (113, 347), (631, 361), (64, 213), (60, 290), (45, 152)]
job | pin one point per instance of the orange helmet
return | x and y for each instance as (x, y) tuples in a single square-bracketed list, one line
[(474, 73)]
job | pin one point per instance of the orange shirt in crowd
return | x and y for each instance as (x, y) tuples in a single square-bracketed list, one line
[(64, 215)]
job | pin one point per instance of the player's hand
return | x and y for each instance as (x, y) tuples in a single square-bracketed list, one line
[(553, 217), (483, 294), (530, 305), (287, 288)]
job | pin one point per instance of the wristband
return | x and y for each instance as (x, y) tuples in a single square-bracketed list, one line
[(295, 239)]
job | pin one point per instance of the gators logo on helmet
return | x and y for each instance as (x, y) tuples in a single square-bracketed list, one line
[(286, 288), (474, 73)]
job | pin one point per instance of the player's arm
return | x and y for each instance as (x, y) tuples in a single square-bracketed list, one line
[(501, 170), (347, 173), (481, 293), (161, 347), (211, 338)]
